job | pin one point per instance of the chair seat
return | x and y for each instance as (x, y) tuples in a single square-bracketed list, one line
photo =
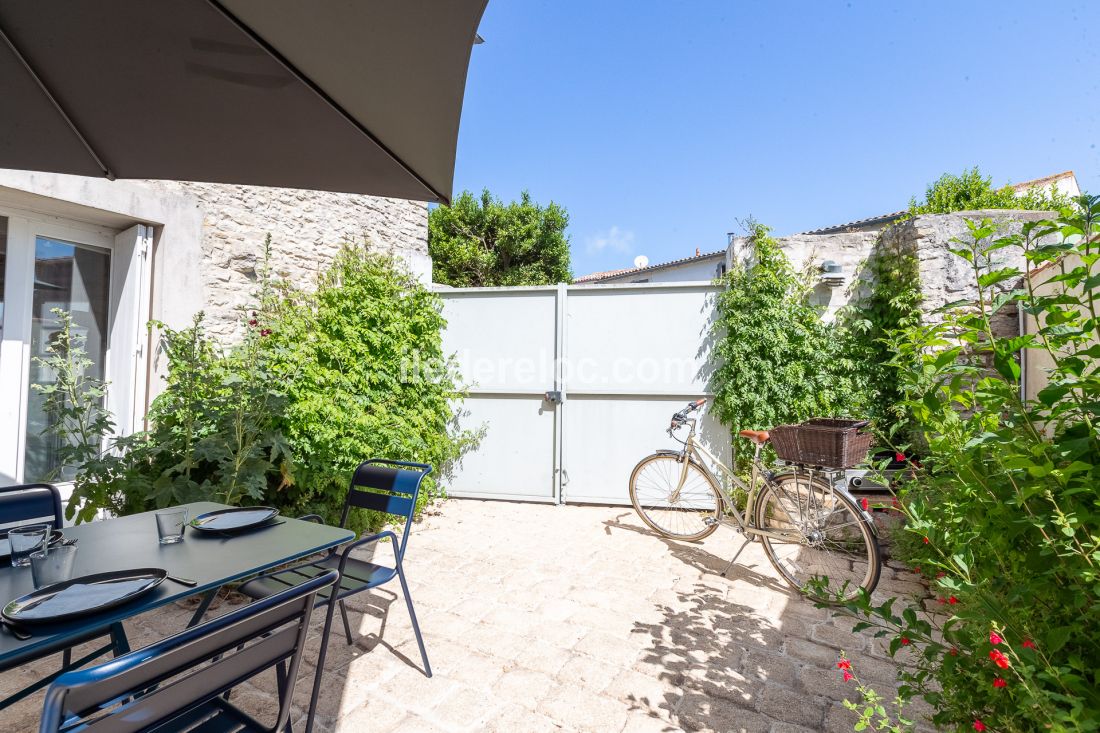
[(358, 576)]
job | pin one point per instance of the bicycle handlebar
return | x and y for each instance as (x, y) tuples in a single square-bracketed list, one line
[(679, 417)]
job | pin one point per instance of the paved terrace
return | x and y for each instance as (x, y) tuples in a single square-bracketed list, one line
[(543, 618)]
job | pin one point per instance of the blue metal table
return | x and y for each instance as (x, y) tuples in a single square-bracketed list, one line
[(132, 542)]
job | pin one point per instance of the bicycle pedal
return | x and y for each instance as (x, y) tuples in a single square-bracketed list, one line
[(710, 521)]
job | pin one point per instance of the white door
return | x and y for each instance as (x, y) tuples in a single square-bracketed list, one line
[(97, 276)]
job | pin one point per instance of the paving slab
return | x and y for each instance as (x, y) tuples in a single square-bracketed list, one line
[(565, 618)]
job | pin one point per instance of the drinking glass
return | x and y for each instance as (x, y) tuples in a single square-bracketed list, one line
[(52, 565), (25, 540), (170, 524)]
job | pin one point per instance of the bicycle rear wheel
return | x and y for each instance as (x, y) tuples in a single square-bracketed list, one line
[(832, 552), (677, 511)]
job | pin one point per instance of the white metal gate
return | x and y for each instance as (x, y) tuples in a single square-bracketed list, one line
[(576, 383)]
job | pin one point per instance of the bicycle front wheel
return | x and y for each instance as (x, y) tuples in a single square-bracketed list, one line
[(680, 510), (826, 548)]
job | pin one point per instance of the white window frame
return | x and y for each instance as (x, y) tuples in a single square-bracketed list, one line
[(124, 359)]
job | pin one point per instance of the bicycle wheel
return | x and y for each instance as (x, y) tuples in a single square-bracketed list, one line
[(682, 514), (833, 553)]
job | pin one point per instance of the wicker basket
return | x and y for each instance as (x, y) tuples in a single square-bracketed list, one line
[(831, 443)]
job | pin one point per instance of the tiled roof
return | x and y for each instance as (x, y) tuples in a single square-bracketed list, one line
[(880, 219), (597, 276), (1038, 182)]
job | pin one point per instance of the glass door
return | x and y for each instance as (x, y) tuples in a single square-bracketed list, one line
[(47, 264), (75, 279)]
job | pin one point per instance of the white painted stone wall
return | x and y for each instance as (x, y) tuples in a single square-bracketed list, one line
[(307, 229), (808, 251)]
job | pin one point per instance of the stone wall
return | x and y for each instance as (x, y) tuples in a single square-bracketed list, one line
[(307, 229), (944, 277), (849, 249)]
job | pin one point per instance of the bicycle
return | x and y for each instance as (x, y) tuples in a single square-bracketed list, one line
[(816, 536)]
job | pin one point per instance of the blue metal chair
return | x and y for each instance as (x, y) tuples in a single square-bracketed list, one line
[(30, 504), (380, 485), (179, 683)]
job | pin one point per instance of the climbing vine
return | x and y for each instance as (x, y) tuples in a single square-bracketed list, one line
[(777, 357), (866, 328)]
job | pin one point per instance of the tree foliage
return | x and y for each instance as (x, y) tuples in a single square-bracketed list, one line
[(973, 191), (482, 242)]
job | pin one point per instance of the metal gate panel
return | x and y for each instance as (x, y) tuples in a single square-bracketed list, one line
[(634, 355), (505, 342), (617, 361)]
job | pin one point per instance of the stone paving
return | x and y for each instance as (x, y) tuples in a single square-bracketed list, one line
[(575, 618)]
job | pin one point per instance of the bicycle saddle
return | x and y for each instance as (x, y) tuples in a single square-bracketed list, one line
[(756, 436)]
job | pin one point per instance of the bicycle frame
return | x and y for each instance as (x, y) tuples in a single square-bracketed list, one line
[(692, 451)]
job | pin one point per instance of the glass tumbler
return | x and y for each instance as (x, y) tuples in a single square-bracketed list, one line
[(170, 524), (53, 565), (26, 540)]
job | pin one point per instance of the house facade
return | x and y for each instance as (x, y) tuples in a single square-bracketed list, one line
[(699, 268), (117, 254)]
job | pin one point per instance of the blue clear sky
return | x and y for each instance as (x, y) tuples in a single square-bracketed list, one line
[(659, 124)]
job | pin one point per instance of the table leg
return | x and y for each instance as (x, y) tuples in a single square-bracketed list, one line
[(204, 605)]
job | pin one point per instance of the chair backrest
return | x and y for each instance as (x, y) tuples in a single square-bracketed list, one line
[(30, 504), (180, 676), (386, 486)]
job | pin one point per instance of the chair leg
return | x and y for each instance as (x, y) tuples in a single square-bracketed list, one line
[(347, 625), (320, 663), (412, 616)]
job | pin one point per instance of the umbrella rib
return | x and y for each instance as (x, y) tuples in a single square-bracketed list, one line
[(301, 77), (107, 172)]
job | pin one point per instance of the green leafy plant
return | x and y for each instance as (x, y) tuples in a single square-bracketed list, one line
[(1002, 515), (873, 710), (320, 382), (363, 365), (777, 358), (75, 400), (866, 329), (481, 242)]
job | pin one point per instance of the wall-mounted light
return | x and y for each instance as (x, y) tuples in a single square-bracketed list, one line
[(832, 274)]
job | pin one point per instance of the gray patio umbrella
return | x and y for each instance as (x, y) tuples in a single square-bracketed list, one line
[(362, 96)]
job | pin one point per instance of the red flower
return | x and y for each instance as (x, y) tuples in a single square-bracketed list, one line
[(999, 659), (265, 332), (864, 503), (952, 600), (940, 574), (917, 570), (926, 540), (1029, 644), (954, 652), (253, 322), (998, 683), (904, 641), (847, 675), (979, 725), (994, 639), (899, 457), (843, 664)]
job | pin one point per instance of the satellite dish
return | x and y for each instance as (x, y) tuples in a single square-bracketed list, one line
[(641, 261)]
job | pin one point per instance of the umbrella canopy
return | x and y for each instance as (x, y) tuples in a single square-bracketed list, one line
[(361, 96)]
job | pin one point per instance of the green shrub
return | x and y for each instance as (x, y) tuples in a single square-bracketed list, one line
[(320, 382), (1004, 512), (778, 362)]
